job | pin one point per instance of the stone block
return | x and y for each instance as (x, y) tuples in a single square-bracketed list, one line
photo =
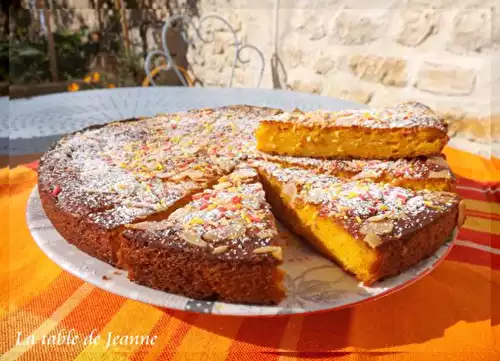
[(219, 26), (357, 27), (323, 64), (294, 57), (219, 46), (445, 79), (306, 86), (318, 32), (447, 4), (388, 71), (308, 23), (471, 31), (416, 26), (353, 94)]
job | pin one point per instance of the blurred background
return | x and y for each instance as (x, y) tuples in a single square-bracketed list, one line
[(444, 53)]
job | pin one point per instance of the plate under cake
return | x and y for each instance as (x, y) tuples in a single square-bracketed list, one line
[(407, 130), (371, 230), (223, 245)]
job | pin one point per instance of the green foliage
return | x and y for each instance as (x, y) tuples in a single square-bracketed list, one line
[(129, 71), (29, 59), (75, 51), (73, 54), (4, 60)]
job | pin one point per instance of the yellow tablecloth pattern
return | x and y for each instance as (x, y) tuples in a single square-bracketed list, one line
[(451, 314)]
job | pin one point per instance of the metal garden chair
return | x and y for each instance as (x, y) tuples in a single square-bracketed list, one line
[(181, 73)]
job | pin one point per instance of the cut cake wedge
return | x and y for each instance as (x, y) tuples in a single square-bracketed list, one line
[(407, 130), (371, 230), (223, 245)]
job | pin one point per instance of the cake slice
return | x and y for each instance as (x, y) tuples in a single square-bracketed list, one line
[(407, 130), (222, 245), (416, 173), (371, 230)]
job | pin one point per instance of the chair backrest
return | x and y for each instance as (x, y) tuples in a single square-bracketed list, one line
[(151, 71)]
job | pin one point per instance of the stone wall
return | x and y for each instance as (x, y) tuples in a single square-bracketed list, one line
[(443, 53)]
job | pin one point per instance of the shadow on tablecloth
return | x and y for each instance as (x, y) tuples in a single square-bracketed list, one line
[(453, 294)]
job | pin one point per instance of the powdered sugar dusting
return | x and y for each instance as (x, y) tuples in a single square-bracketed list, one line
[(405, 115)]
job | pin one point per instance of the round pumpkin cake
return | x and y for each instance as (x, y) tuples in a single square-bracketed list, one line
[(186, 204)]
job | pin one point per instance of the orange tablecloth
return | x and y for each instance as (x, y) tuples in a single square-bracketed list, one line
[(451, 314)]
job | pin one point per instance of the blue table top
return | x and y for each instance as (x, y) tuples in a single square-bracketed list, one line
[(34, 123)]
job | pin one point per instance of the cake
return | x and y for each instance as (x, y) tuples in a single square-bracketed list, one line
[(372, 230), (222, 245), (407, 130), (120, 192)]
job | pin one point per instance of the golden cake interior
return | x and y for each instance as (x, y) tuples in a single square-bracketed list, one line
[(406, 130), (288, 139), (332, 240)]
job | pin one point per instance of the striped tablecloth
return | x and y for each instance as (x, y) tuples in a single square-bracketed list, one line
[(451, 314)]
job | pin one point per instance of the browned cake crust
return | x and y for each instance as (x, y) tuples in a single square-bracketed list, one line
[(86, 213), (394, 257), (407, 115), (72, 223), (80, 231), (200, 276), (403, 253)]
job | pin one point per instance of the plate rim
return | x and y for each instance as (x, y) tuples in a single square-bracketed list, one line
[(47, 250)]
